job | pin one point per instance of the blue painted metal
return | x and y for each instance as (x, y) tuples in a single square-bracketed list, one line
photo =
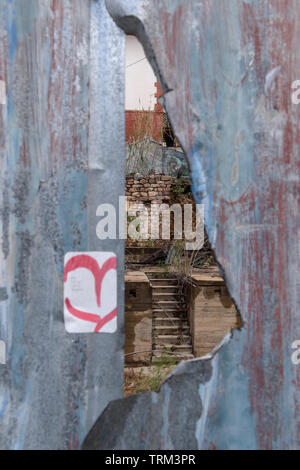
[(61, 155), (226, 70)]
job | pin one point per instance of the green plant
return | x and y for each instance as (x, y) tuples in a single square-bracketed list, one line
[(178, 186), (135, 220), (148, 383), (163, 265), (167, 360), (150, 378)]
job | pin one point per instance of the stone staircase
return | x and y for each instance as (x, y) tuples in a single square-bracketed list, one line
[(171, 332)]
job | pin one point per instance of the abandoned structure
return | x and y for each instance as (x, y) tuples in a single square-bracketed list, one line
[(163, 315), (158, 322)]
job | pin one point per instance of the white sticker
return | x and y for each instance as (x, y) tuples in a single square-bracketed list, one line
[(90, 292), (2, 92), (2, 352)]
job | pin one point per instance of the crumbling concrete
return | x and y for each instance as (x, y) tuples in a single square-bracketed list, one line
[(138, 319), (211, 311)]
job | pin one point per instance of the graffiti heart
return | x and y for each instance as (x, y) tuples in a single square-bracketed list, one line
[(90, 293)]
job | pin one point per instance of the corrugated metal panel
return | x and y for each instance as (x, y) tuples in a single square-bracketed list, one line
[(61, 155)]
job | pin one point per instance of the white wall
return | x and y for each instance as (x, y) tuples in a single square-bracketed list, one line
[(140, 79)]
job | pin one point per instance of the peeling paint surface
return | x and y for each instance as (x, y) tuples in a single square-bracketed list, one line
[(61, 155), (226, 70)]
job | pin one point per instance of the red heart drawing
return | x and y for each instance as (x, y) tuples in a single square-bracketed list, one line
[(86, 261)]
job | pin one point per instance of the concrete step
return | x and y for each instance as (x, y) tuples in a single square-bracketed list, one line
[(172, 321), (164, 282), (183, 349), (183, 356), (171, 340), (164, 289), (164, 296), (160, 275), (166, 304), (172, 349), (169, 313), (170, 330)]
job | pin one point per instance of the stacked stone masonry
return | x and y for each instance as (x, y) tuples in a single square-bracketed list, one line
[(149, 189)]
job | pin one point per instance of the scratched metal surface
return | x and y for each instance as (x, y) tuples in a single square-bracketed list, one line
[(61, 155), (226, 68)]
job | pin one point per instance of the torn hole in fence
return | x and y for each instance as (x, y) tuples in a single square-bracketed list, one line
[(145, 417), (181, 309), (154, 420)]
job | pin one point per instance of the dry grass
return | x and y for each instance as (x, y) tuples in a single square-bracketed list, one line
[(140, 144), (146, 379)]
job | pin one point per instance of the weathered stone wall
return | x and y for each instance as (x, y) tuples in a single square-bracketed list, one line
[(149, 189), (156, 189), (138, 319)]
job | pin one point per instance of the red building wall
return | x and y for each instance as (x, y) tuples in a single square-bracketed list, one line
[(145, 123)]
